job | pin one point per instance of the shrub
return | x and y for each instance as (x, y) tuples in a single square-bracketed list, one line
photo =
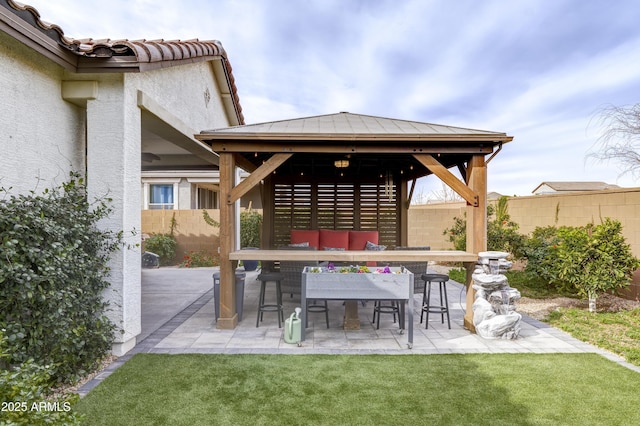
[(595, 259), (52, 274), (24, 390), (250, 224), (502, 233), (164, 245), (542, 258), (589, 259)]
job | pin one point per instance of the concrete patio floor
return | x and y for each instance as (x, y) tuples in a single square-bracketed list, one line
[(195, 331), (178, 318)]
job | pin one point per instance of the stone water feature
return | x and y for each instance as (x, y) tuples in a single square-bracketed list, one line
[(494, 308)]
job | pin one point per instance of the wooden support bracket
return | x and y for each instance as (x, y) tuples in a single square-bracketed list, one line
[(448, 178), (258, 174)]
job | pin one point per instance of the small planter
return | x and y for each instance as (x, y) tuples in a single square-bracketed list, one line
[(250, 265)]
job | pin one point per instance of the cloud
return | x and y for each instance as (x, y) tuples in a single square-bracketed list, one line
[(536, 70)]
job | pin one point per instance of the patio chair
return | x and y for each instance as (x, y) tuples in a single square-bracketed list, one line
[(393, 306), (292, 283)]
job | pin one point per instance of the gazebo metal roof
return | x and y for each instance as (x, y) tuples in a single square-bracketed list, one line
[(371, 144), (355, 127)]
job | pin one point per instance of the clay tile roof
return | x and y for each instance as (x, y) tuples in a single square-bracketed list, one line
[(144, 51)]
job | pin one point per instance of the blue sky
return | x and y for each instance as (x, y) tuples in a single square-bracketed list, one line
[(538, 70)]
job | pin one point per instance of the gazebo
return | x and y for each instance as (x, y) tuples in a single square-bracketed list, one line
[(346, 171)]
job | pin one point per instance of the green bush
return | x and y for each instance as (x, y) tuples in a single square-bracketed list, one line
[(24, 392), (164, 245), (595, 258), (502, 233), (250, 224), (542, 258), (52, 275), (589, 259)]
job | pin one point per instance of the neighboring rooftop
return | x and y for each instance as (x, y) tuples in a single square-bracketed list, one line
[(552, 187)]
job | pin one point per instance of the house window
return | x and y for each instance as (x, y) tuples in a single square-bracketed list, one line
[(161, 197), (206, 198)]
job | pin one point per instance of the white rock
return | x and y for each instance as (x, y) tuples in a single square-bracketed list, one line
[(482, 311), (500, 327), (493, 254), (490, 281)]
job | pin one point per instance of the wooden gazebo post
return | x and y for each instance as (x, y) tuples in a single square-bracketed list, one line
[(476, 226), (228, 316)]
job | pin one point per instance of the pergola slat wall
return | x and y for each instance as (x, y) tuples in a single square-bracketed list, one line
[(339, 205)]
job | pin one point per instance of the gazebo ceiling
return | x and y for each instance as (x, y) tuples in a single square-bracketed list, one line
[(353, 166), (372, 145)]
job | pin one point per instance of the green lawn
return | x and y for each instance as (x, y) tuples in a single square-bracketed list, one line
[(618, 332), (492, 389)]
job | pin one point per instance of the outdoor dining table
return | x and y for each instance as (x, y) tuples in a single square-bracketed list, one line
[(360, 257), (323, 284)]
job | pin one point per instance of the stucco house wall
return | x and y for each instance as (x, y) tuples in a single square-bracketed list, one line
[(42, 137), (64, 111), (113, 156)]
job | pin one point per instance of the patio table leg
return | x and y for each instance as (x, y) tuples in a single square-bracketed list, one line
[(409, 309), (351, 318), (303, 318)]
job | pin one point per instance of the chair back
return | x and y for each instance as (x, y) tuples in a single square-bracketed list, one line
[(417, 268), (291, 271)]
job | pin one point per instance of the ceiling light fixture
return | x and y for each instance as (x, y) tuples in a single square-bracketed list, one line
[(341, 164)]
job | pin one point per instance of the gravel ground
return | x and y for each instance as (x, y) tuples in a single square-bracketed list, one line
[(540, 308)]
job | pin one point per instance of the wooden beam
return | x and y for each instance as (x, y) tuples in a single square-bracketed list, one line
[(410, 196), (258, 174), (463, 172), (346, 148), (448, 178), (244, 164)]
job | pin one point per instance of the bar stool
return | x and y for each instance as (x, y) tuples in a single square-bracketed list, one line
[(427, 306), (394, 307), (264, 278)]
